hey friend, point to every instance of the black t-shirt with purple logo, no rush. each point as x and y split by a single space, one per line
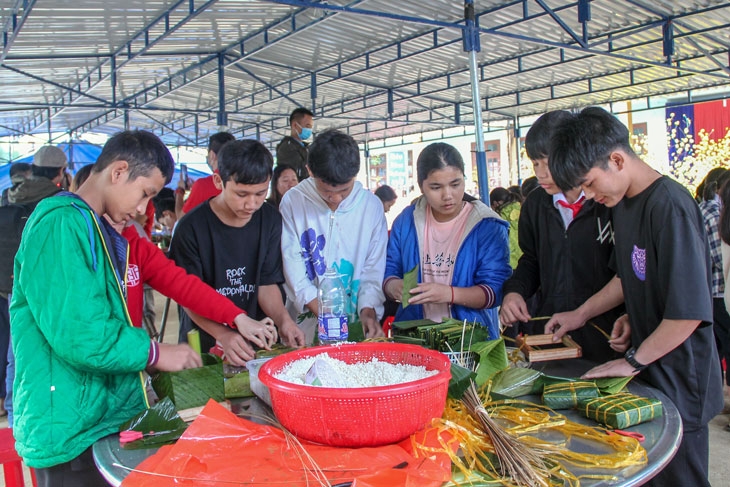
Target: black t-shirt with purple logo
663 260
234 261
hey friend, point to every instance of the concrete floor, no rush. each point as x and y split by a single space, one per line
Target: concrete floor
719 438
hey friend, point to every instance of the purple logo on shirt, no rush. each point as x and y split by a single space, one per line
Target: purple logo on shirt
638 262
312 247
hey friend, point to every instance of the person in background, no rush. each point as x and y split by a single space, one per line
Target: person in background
233 243
459 246
79 362
331 220
387 196
528 185
19 172
81 175
204 188
711 208
722 334
48 172
663 275
284 179
293 150
507 204
165 209
567 244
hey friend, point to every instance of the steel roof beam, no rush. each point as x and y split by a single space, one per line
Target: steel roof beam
52 83
131 100
558 20
365 69
240 44
141 36
17 25
168 127
494 30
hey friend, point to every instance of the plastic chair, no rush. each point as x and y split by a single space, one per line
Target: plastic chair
12 463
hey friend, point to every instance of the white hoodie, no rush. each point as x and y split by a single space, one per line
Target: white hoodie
356 244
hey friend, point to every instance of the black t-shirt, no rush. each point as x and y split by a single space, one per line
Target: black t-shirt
663 260
234 261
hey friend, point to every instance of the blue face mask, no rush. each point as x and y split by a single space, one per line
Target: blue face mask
305 133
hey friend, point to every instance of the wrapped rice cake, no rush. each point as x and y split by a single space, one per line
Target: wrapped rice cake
567 395
621 410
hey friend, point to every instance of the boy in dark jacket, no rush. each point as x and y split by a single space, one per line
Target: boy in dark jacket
567 242
78 358
663 276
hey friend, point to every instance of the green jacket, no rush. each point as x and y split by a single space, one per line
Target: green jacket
511 213
77 355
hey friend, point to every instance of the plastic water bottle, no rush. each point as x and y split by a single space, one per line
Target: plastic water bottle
331 297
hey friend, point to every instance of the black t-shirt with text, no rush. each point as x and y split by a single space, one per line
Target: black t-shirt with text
234 261
663 260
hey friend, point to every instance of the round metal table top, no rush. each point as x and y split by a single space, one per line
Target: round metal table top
662 435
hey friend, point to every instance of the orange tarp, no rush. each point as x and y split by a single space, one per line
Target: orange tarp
220 448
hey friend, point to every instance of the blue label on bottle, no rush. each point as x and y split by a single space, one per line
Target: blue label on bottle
332 328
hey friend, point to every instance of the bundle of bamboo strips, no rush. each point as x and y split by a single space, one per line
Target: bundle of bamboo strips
517 461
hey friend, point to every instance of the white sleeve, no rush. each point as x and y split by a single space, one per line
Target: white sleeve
299 287
370 294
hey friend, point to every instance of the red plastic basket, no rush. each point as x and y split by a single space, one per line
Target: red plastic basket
357 417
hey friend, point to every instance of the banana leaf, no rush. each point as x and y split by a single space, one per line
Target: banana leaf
611 385
410 280
547 380
621 410
192 387
606 385
567 395
461 377
162 420
474 478
515 381
492 358
276 350
404 327
238 385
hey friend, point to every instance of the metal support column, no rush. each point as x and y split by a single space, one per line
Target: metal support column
517 153
222 117
472 46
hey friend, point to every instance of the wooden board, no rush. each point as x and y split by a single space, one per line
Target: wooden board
530 346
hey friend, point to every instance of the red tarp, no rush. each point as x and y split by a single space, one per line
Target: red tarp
220 448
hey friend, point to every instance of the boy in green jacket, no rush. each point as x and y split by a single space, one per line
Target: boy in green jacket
78 357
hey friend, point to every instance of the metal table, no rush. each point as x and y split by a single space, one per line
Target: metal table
663 435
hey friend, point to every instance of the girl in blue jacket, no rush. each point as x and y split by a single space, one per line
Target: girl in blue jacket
459 245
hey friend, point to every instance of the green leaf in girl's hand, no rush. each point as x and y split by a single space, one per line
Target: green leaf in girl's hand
410 280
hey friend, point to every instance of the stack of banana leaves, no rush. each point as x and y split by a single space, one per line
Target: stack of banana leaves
448 336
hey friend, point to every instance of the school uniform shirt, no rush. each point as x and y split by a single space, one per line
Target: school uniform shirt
566 266
149 265
663 260
233 261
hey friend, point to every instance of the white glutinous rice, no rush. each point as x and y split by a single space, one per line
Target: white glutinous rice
373 373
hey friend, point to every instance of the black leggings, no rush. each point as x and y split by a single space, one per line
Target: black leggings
79 472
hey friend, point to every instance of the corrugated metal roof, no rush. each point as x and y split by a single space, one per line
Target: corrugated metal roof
376 68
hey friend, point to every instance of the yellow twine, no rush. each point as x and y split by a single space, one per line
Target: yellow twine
524 421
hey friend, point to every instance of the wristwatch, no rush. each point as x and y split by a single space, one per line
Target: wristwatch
629 357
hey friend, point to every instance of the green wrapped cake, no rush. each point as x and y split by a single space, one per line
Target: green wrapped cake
567 395
621 410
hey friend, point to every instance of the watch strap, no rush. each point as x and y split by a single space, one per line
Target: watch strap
629 357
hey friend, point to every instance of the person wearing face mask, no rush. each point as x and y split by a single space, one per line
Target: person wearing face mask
293 150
